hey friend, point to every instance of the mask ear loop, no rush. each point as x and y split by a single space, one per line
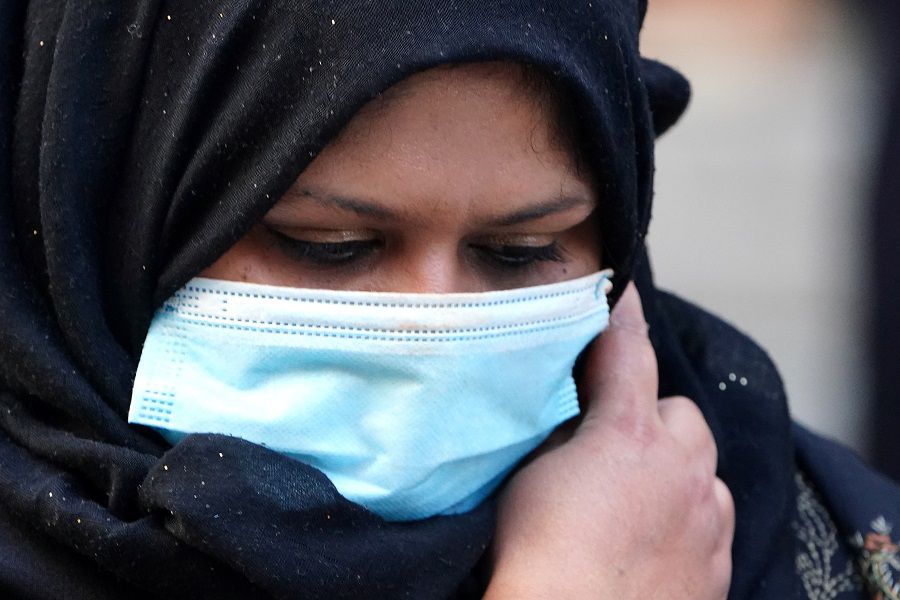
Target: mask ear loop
604 287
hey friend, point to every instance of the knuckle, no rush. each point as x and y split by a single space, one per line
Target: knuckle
686 406
726 502
644 357
685 421
700 489
693 414
721 569
637 427
701 485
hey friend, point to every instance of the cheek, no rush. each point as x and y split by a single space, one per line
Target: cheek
584 247
251 259
256 258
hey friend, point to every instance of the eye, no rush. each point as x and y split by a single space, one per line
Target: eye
518 256
341 249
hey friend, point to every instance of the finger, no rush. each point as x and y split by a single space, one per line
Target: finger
722 567
717 516
686 424
725 502
620 376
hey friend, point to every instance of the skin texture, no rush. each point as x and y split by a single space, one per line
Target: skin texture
450 183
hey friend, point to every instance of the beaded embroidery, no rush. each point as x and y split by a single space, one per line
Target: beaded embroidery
824 570
879 560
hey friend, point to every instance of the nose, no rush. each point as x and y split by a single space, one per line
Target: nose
431 278
433 271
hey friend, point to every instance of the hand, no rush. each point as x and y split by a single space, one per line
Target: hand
630 506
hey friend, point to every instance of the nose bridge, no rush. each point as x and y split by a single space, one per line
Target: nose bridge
435 274
435 268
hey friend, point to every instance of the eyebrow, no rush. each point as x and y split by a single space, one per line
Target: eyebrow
543 209
363 208
367 208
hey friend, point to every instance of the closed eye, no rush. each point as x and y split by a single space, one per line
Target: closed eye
339 248
325 253
514 257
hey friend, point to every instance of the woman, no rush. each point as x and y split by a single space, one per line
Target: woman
153 144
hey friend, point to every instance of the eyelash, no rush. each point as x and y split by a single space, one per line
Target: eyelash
518 257
327 254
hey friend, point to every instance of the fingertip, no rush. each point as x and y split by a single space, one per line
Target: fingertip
629 311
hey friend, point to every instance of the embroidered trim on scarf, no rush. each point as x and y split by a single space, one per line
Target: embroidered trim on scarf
826 572
879 560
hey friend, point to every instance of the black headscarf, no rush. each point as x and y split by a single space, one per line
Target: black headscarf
138 142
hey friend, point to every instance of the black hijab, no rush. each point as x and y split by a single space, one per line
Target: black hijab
140 141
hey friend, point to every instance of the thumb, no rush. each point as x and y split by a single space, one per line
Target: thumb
620 375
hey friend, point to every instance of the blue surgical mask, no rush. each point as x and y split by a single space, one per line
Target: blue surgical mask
412 404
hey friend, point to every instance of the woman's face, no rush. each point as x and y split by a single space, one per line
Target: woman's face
455 180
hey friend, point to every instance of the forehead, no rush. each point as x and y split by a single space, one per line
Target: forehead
481 130
494 97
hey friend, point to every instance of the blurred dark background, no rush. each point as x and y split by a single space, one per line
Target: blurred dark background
778 196
884 17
